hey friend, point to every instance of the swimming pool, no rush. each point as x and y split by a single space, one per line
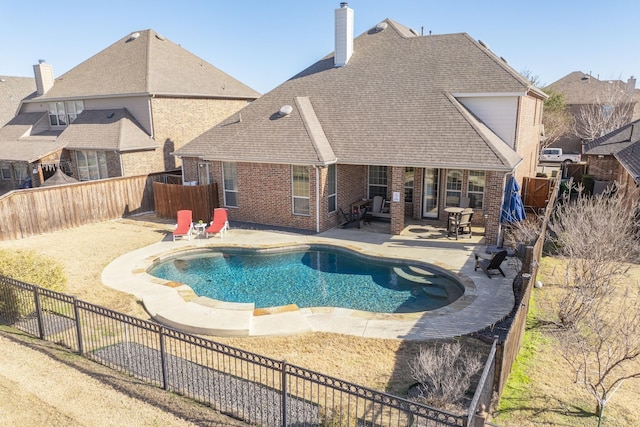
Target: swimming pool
315 276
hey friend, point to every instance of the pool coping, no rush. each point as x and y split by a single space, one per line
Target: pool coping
176 305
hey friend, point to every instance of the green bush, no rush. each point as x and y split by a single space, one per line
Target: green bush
30 267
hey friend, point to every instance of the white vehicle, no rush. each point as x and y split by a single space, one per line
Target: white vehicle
555 155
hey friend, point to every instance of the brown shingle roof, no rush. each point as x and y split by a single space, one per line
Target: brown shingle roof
114 129
390 105
579 88
17 143
147 64
12 91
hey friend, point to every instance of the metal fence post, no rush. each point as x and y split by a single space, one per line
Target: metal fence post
283 403
36 297
163 359
76 313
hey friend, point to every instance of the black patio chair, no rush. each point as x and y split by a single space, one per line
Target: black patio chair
492 264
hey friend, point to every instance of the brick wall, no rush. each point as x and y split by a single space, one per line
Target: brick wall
608 168
495 182
528 136
177 121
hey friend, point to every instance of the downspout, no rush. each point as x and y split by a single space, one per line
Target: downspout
317 199
151 115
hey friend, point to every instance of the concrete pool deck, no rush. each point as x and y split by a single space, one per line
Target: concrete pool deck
485 302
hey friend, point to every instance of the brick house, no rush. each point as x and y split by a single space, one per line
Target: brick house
423 121
581 90
121 112
615 157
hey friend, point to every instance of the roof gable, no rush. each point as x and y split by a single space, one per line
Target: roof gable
12 91
147 63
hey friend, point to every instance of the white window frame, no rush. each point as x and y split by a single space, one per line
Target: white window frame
61 113
476 196
409 180
230 184
203 172
377 180
300 190
94 165
332 188
453 188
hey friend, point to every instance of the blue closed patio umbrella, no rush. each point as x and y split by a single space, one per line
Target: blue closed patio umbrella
512 207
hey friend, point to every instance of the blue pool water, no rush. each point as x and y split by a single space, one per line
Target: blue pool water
310 278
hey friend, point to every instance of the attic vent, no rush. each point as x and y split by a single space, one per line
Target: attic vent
483 44
110 115
504 60
285 110
133 36
160 37
381 27
414 32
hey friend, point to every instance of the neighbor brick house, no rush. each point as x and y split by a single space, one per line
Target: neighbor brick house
423 121
615 157
121 112
581 90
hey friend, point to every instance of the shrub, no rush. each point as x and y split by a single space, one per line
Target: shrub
444 372
29 267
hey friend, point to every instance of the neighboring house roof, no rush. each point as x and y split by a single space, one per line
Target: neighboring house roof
623 144
113 129
12 91
579 88
392 104
17 143
146 64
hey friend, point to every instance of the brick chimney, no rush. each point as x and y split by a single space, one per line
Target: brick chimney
44 77
343 35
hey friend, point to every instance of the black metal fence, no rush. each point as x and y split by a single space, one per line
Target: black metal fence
247 386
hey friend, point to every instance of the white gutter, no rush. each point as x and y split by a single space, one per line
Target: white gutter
121 165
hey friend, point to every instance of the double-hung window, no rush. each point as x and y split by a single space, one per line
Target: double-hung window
230 184
300 189
332 188
475 189
91 165
454 187
377 181
408 184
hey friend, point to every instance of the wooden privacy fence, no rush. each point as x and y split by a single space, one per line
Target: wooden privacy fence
40 210
200 199
509 348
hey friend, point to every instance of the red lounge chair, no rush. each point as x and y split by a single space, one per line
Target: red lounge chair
220 223
185 225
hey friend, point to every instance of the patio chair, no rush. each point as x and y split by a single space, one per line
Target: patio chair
185 225
492 264
220 223
460 224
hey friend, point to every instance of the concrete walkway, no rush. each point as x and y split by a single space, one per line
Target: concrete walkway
485 301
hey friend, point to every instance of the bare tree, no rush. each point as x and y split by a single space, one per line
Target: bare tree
611 109
599 314
557 121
